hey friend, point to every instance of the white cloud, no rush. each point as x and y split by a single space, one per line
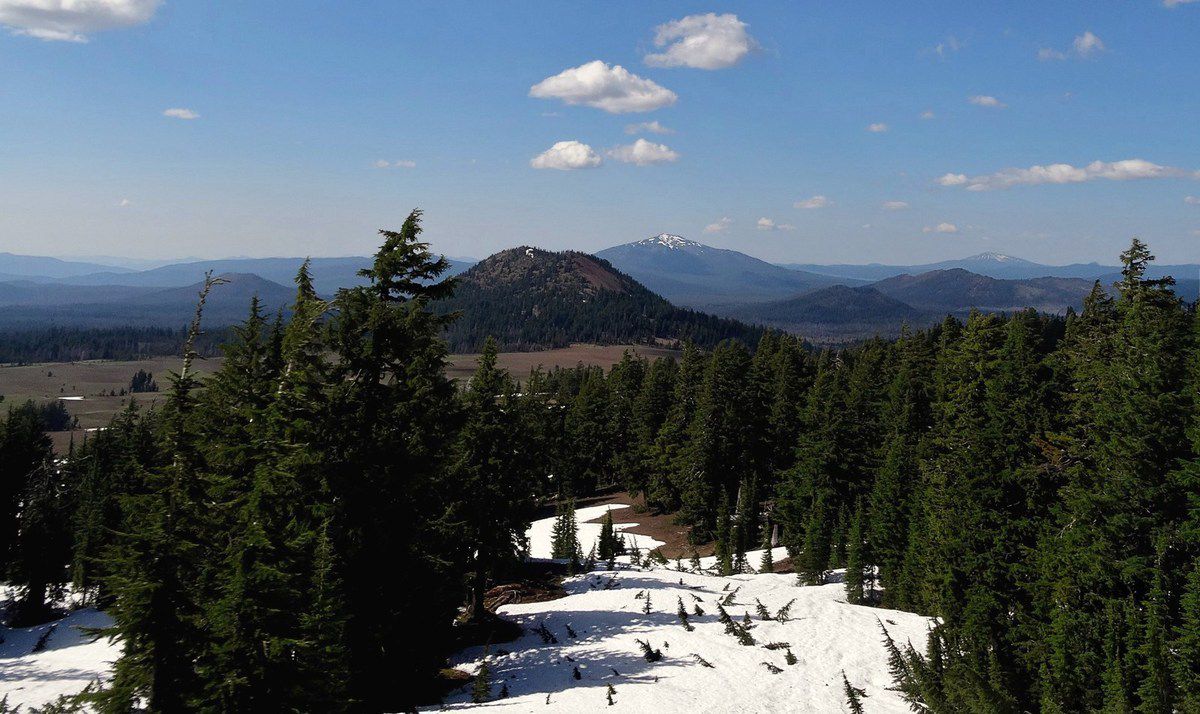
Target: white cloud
1087 44
72 20
814 202
1192 200
402 164
948 46
878 128
766 224
643 153
124 202
718 225
1176 3
567 155
1126 170
648 127
928 114
612 88
708 41
941 228
1084 46
895 205
180 113
984 100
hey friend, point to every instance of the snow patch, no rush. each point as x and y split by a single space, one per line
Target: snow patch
605 610
670 241
68 661
541 532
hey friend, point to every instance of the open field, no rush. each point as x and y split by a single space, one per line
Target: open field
92 383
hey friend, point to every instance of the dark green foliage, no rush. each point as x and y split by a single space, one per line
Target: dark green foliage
528 297
142 381
481 690
854 695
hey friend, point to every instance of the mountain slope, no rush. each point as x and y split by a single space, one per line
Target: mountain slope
535 299
227 304
690 273
328 274
835 313
31 266
958 290
994 265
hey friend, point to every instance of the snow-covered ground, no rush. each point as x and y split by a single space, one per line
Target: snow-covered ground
605 611
68 660
540 533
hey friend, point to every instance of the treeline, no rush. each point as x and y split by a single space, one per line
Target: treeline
73 344
1031 481
301 533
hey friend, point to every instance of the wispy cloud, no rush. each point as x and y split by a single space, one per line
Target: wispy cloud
1126 170
73 20
1192 200
813 202
986 100
767 224
941 228
718 225
895 205
1177 3
180 113
1084 46
567 156
709 41
402 164
648 127
946 47
877 128
928 114
612 88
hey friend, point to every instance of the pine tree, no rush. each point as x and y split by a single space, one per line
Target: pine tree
492 470
724 556
854 695
855 564
606 548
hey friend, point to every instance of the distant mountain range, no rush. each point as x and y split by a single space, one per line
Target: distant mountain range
700 276
531 298
39 305
996 265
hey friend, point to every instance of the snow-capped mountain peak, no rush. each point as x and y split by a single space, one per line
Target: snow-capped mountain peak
671 241
991 257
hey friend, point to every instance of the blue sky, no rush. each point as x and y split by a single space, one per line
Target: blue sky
298 105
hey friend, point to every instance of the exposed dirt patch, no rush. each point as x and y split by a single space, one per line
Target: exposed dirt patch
661 527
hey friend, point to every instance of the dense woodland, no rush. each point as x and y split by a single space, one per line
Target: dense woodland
301 531
74 344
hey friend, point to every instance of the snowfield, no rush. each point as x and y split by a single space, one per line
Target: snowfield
605 610
540 533
594 631
67 662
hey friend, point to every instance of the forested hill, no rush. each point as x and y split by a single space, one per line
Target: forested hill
529 299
